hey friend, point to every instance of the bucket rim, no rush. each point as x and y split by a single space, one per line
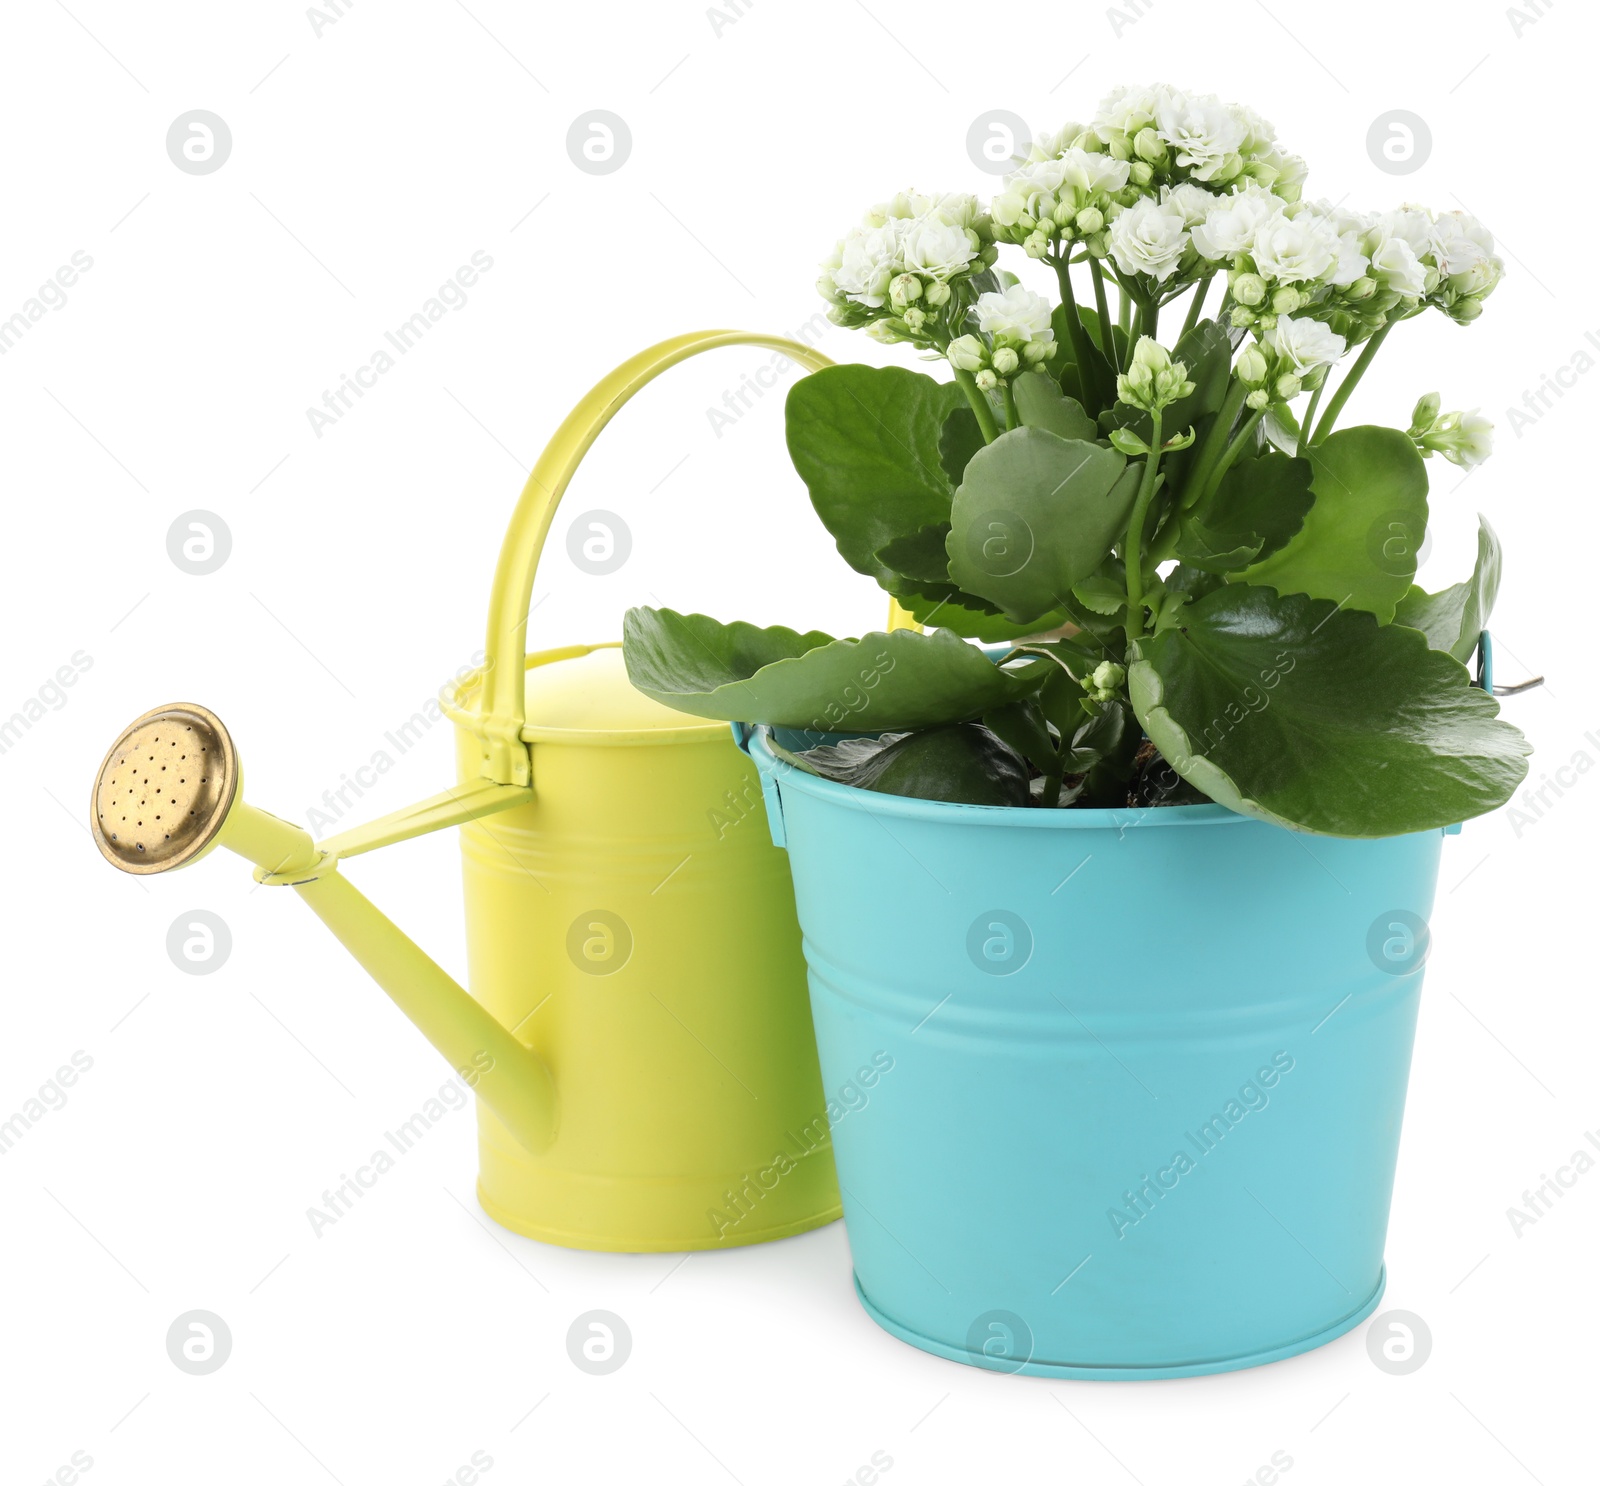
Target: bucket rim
753 739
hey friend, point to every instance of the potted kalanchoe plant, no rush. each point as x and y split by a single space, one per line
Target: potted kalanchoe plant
1194 592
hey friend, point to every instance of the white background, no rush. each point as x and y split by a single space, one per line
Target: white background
368 163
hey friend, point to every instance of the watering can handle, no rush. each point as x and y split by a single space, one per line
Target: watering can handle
501 699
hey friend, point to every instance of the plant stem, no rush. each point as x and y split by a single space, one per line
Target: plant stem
1008 398
1193 317
979 405
1133 547
1234 449
1149 313
1124 309
1106 333
1311 412
1346 387
1216 443
1088 381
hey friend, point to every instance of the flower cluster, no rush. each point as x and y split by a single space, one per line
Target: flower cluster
1354 272
1153 379
1465 439
1277 366
1062 199
907 272
1160 193
1013 331
1181 136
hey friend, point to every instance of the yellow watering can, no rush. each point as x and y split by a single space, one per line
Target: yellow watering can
639 1038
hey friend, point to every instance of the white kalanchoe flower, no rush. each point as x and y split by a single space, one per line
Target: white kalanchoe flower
1464 250
1295 250
1030 191
1149 237
937 248
1125 112
1094 171
1017 319
1394 263
1051 146
1204 135
1195 202
1232 222
863 265
1302 345
1350 262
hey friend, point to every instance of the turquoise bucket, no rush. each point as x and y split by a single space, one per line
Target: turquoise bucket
1079 1145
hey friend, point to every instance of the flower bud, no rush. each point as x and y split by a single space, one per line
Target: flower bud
1257 399
1037 245
1140 174
1108 675
1252 366
1249 288
987 381
1424 414
1153 378
1063 214
1285 301
914 318
903 288
937 293
1241 317
1363 288
1147 145
1004 361
1465 310
1089 220
1037 351
966 353
1287 387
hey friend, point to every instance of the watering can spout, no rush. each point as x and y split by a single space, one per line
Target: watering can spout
169 791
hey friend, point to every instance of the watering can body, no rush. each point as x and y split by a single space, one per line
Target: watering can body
637 1032
635 925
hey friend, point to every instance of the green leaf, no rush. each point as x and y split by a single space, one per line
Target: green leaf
1042 404
1021 726
1034 515
1102 595
1103 750
961 765
1281 428
740 672
976 619
1295 711
1119 336
1256 510
959 440
1360 539
866 441
1062 364
920 557
1453 619
1192 582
